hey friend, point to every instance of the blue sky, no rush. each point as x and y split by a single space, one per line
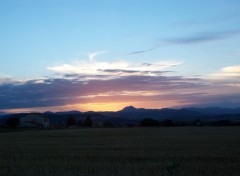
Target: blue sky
49 39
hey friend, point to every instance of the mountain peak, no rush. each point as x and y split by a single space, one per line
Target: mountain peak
129 109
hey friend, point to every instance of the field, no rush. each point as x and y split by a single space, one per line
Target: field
177 151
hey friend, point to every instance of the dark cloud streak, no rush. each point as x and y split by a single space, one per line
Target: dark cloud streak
143 51
204 37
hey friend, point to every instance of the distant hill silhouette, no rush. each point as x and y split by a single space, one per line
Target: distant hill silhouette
132 115
129 109
63 113
2 113
215 110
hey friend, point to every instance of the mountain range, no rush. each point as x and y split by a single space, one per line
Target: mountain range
131 115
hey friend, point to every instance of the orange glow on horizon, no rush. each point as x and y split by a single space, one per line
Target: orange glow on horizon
106 106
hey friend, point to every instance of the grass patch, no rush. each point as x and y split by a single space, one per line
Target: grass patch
180 151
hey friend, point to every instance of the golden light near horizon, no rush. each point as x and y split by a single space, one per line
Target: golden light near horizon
119 105
103 106
100 107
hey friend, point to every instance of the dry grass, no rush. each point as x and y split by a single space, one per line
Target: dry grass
180 151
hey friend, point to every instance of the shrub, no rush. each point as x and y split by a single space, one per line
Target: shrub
12 122
71 121
148 122
88 122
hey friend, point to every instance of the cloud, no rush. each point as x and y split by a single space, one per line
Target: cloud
10 80
204 37
84 83
226 19
92 55
143 51
232 69
113 69
60 92
198 38
149 90
229 72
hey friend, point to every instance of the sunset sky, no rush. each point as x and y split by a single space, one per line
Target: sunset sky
103 55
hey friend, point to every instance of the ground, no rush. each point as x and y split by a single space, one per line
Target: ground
173 151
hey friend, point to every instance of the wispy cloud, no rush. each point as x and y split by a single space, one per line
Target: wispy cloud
143 51
204 37
225 19
115 68
198 38
92 55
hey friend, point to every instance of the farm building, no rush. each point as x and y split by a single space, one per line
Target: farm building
34 120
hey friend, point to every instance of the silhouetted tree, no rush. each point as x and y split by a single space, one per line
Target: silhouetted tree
79 123
168 123
197 122
88 122
148 122
108 124
71 121
12 122
222 123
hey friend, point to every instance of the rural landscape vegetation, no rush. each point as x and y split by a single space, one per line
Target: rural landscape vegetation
93 144
163 151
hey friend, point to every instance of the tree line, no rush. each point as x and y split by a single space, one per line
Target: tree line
71 121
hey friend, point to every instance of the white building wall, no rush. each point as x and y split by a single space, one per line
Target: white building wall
34 120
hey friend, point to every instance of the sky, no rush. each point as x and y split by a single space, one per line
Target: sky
103 55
